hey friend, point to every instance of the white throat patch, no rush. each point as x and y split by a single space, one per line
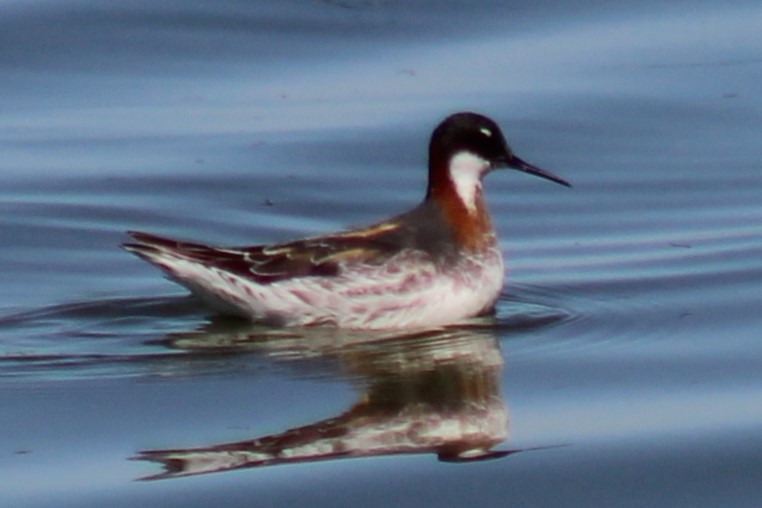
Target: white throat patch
466 171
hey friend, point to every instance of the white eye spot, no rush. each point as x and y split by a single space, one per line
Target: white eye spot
486 132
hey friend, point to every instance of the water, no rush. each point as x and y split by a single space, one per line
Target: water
623 367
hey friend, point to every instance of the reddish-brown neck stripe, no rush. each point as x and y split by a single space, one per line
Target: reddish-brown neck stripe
472 228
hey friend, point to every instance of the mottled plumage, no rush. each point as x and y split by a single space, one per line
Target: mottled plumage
434 265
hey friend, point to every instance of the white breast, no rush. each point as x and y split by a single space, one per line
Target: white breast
408 291
403 293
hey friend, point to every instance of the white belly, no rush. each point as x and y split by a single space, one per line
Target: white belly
402 293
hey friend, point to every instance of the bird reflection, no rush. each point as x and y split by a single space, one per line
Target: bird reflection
432 392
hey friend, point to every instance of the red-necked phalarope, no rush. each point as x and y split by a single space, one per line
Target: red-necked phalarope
434 265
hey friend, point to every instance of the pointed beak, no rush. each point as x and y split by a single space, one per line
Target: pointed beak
516 163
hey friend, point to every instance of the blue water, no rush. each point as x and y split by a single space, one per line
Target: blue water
623 366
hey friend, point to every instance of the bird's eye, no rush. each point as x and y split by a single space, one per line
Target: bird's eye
486 132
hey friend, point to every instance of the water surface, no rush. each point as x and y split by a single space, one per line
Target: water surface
623 364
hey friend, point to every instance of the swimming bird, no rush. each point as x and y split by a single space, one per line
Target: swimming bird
434 265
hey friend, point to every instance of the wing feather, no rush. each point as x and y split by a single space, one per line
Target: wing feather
318 256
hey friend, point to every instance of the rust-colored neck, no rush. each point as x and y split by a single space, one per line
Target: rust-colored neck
472 227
